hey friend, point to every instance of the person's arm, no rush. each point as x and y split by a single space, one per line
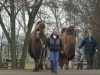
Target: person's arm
96 46
48 43
82 44
61 47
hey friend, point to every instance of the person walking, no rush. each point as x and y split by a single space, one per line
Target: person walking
54 44
79 60
91 46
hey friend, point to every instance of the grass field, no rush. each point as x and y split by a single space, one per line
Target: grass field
29 65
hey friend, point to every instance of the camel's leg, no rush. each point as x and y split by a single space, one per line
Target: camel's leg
61 64
36 65
40 66
66 63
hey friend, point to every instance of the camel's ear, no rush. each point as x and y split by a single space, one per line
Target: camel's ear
63 30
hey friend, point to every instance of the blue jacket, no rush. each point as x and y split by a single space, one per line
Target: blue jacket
89 46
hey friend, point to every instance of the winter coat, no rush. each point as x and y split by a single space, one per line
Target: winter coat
90 46
54 44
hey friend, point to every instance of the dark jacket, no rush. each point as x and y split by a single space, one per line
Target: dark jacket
54 44
89 46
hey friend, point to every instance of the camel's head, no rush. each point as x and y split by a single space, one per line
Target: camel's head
38 33
40 24
71 30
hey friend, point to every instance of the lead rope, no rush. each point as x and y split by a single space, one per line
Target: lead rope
42 58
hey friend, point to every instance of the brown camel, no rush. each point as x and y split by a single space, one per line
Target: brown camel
68 36
36 41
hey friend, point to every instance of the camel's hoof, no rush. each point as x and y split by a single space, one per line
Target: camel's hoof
41 69
35 70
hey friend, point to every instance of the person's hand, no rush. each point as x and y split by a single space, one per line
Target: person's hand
78 49
81 60
62 52
43 46
96 50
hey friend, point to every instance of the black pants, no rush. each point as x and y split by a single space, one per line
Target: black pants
80 66
89 58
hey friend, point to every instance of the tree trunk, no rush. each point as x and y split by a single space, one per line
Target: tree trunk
0 60
24 52
12 44
32 16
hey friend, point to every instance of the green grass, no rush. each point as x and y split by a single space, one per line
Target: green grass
29 65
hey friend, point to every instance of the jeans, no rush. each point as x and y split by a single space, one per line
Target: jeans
89 58
54 55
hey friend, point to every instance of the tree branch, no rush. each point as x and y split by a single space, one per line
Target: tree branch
17 12
60 13
20 23
35 10
4 29
27 6
5 9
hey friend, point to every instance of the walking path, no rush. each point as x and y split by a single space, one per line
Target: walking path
48 72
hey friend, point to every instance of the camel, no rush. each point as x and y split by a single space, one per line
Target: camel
68 36
36 41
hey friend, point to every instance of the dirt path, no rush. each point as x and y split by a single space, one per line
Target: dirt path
47 72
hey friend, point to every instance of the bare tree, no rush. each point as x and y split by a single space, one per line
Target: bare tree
12 7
